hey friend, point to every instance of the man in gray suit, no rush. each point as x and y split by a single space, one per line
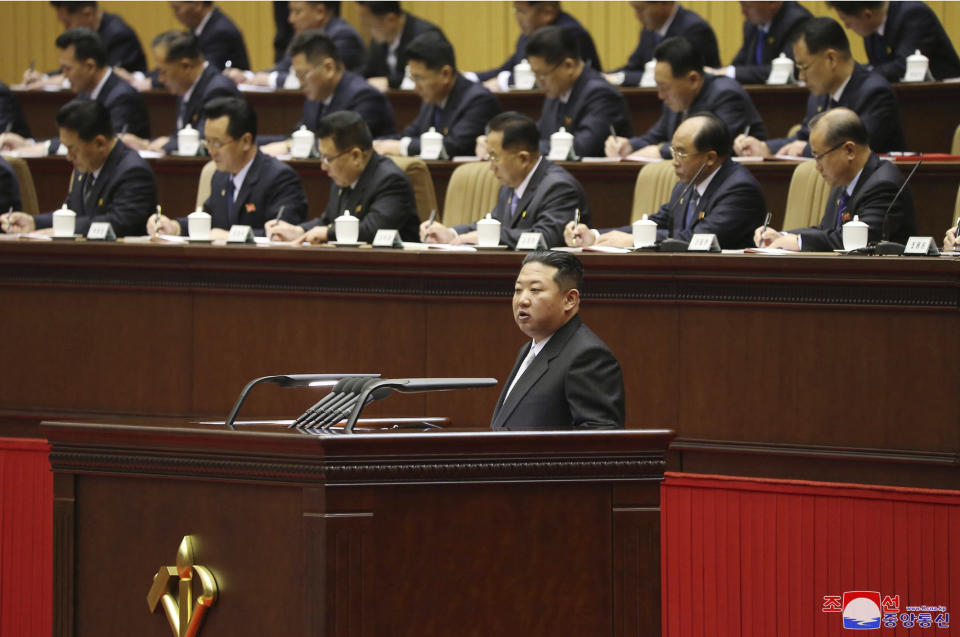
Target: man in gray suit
565 377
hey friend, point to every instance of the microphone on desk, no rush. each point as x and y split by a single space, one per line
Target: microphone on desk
670 244
892 247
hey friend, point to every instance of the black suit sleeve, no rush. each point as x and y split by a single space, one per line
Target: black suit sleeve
603 108
390 209
657 135
130 203
732 217
594 390
286 190
9 188
556 209
870 207
462 137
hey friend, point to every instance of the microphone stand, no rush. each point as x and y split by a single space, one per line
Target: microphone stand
670 244
886 247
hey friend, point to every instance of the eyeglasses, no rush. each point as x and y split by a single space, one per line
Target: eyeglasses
680 154
818 158
801 68
329 160
216 144
495 158
302 75
542 76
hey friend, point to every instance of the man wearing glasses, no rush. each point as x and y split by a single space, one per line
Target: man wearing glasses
863 185
824 62
249 187
329 88
726 199
366 183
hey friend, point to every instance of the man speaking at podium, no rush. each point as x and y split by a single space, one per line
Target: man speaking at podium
566 377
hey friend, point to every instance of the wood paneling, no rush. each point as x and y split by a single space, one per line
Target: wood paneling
484 33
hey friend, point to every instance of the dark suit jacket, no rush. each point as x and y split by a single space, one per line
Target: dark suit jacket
9 188
719 95
547 205
687 24
11 114
871 97
382 199
269 184
731 208
377 55
911 26
210 85
575 382
784 29
878 183
469 107
588 51
125 194
593 107
221 40
353 93
349 45
122 44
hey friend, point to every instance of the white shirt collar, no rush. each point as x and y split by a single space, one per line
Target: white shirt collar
240 176
186 96
836 95
96 91
526 180
883 25
396 42
536 347
566 96
853 183
203 23
666 25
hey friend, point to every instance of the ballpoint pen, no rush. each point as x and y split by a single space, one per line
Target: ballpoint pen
279 213
613 131
156 227
763 230
746 131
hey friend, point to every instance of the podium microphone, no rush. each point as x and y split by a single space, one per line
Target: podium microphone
671 244
892 247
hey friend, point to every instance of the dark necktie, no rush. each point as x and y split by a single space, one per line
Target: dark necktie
437 114
692 209
842 207
88 180
514 200
230 196
761 43
181 113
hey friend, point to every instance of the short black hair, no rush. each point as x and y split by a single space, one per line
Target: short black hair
825 33
243 119
381 9
86 44
680 54
554 44
569 273
179 45
433 50
73 7
855 8
347 129
88 118
713 135
519 131
333 6
315 45
843 125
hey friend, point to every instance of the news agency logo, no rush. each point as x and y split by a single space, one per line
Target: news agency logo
861 610
868 610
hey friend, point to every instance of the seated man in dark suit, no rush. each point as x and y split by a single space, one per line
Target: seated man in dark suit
726 200
11 116
372 187
532 16
892 31
770 29
330 88
9 187
121 42
826 65
566 377
181 68
391 31
454 106
110 182
217 36
536 195
305 16
684 88
249 188
662 20
863 185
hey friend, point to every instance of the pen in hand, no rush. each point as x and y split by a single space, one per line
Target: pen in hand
156 227
763 230
746 131
433 217
613 131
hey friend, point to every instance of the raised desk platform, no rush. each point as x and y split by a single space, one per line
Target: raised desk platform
820 367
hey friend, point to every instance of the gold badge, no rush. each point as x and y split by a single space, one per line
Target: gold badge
173 589
703 213
446 130
100 203
223 192
567 121
523 215
358 208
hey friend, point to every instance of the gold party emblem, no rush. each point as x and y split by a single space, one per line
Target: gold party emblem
173 589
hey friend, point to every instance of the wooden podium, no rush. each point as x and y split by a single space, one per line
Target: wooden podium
388 533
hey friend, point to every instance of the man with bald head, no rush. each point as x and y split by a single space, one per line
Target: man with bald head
863 185
726 200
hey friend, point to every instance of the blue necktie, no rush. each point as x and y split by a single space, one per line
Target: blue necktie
842 207
181 111
437 112
230 197
514 200
761 42
691 210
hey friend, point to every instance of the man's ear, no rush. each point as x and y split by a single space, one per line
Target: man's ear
571 299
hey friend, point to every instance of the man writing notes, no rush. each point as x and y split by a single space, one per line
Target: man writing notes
366 183
726 200
454 106
536 196
863 185
565 377
110 182
684 88
249 187
391 31
826 65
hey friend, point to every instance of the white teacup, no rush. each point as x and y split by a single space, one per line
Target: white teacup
64 222
198 225
523 77
855 234
347 228
431 144
488 232
301 143
188 141
644 232
561 143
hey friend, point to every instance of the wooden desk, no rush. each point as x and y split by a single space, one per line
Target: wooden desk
609 187
372 534
927 111
811 367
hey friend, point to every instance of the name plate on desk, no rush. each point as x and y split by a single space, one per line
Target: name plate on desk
101 231
531 241
240 234
921 246
704 243
387 239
